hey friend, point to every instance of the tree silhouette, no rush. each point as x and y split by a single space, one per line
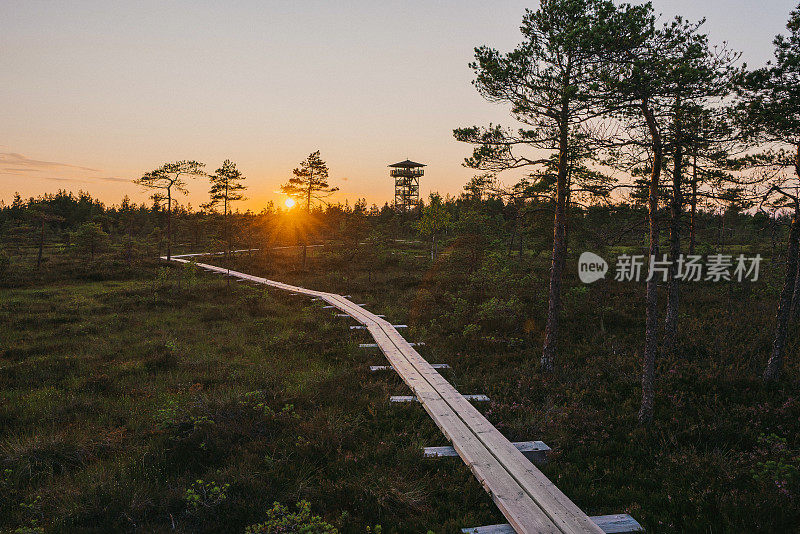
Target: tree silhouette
167 177
435 219
770 113
549 81
309 183
226 188
652 74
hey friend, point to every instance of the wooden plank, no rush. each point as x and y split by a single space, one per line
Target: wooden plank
414 398
610 524
617 523
375 345
375 368
535 451
362 327
490 529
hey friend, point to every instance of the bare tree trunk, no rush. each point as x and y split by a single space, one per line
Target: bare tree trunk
169 224
693 218
308 214
676 216
773 224
651 327
41 246
775 364
520 231
129 247
796 297
226 222
559 252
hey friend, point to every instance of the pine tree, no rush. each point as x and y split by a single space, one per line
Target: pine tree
166 178
549 82
226 188
309 184
769 110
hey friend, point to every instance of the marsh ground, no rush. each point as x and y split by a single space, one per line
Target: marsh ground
121 387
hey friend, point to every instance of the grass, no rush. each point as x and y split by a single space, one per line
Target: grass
120 390
118 396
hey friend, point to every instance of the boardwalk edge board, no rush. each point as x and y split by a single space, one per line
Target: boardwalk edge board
530 502
375 368
414 398
609 524
535 451
362 327
375 345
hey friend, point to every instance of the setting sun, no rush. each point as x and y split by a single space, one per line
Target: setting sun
289 202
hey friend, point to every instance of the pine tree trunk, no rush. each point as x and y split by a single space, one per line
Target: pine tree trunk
676 215
129 247
693 218
775 364
796 297
308 214
41 246
559 253
513 236
169 224
226 222
651 309
796 294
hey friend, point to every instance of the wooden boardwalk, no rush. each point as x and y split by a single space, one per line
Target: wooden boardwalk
527 498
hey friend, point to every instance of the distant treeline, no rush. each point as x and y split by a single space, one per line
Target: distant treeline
517 226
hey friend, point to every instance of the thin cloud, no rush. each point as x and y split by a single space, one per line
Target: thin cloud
20 161
16 171
115 179
58 179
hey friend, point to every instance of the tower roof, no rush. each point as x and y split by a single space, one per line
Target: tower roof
407 164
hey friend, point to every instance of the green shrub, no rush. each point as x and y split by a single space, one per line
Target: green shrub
780 465
202 495
281 521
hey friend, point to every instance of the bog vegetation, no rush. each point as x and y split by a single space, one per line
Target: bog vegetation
143 395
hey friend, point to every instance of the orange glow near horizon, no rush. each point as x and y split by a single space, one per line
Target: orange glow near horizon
90 109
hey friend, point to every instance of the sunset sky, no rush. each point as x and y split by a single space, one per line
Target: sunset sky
93 94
